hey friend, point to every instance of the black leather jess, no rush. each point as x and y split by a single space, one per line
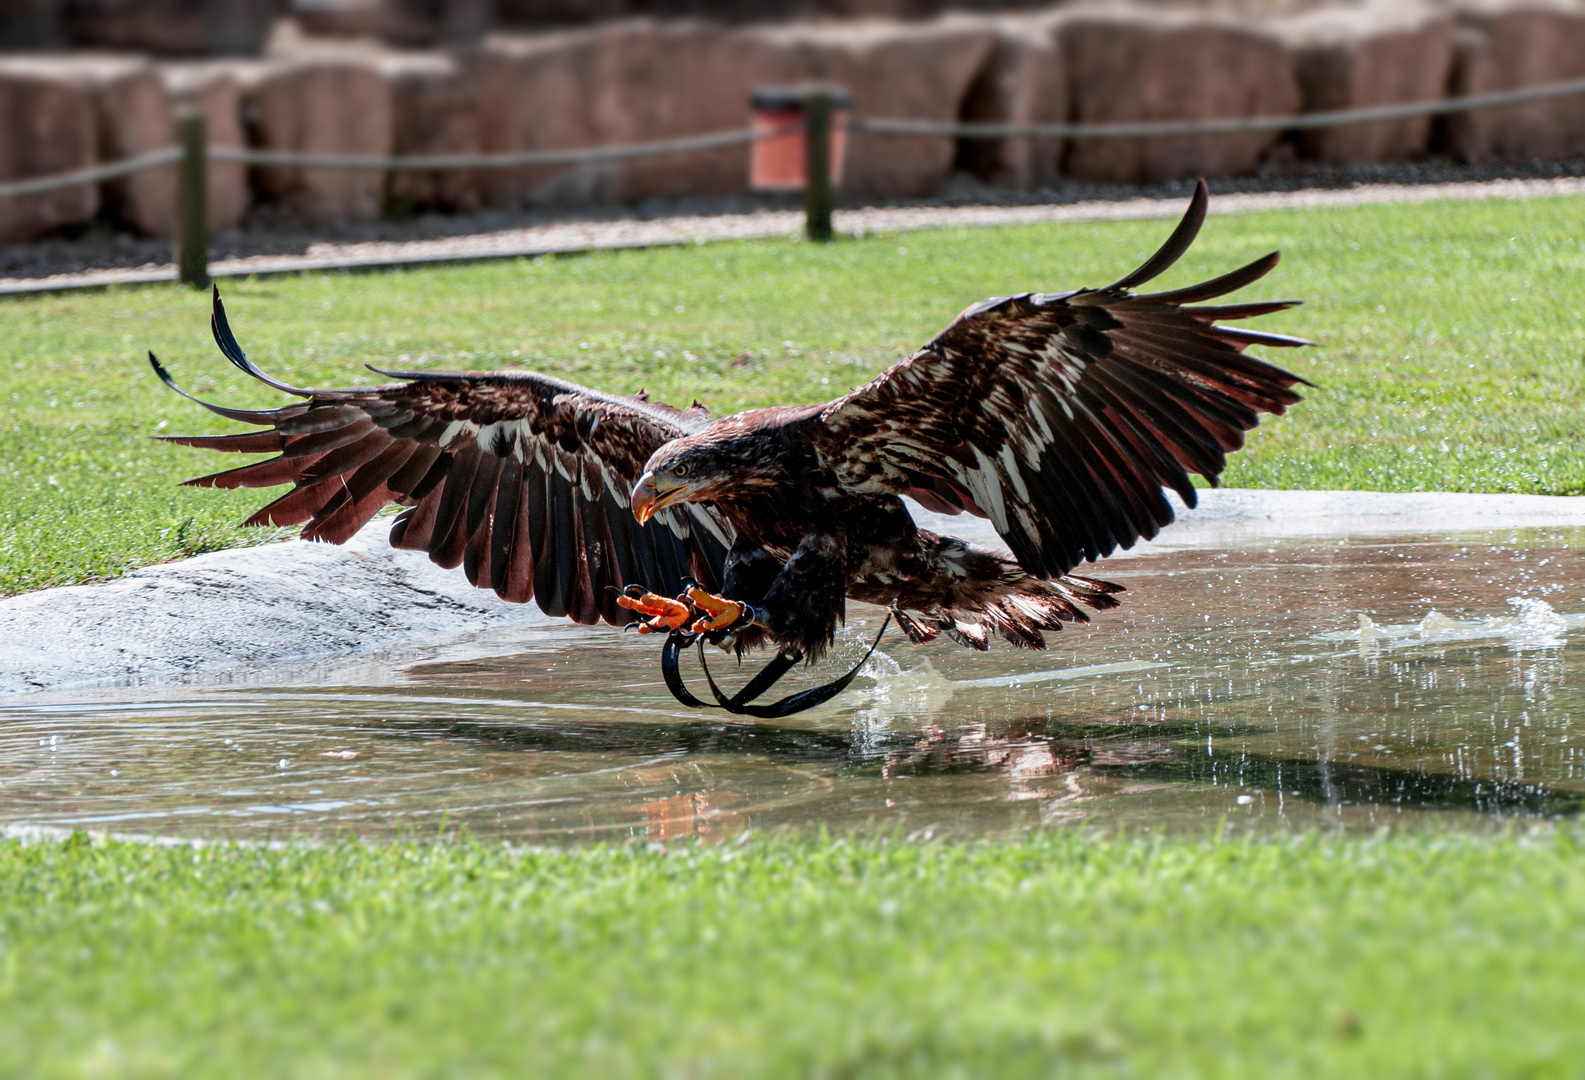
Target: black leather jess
739 704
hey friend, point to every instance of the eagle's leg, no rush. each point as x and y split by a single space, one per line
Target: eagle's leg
808 597
745 579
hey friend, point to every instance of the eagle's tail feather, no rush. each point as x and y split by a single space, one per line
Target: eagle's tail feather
1017 613
1031 605
972 595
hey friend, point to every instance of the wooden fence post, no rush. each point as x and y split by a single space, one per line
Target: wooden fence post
817 163
192 205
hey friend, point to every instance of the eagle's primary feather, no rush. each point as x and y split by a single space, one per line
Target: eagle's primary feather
523 479
1060 417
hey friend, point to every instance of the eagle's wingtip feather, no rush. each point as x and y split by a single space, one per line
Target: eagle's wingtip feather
1170 252
220 329
164 376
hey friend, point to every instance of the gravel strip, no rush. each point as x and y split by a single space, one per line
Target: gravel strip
589 235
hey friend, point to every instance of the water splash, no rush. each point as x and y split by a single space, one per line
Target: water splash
1541 626
920 690
1536 625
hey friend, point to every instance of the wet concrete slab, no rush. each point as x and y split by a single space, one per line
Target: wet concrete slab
280 603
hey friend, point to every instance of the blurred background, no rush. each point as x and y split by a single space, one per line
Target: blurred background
84 82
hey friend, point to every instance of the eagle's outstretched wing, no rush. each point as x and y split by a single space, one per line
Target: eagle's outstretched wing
521 478
1062 416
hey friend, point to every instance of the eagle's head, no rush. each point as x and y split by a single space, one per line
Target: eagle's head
732 455
684 470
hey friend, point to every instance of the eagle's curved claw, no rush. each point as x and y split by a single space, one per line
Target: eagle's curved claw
722 614
666 615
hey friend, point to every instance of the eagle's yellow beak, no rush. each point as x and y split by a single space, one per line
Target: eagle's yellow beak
651 493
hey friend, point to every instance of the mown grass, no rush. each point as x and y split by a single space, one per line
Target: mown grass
1452 337
1446 955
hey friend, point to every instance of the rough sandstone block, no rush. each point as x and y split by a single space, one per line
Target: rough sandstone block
1501 46
628 82
46 127
435 103
640 81
134 114
1023 81
914 71
434 108
327 107
1380 54
532 96
1134 65
670 80
163 26
212 88
171 27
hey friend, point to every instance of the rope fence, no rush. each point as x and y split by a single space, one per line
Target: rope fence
1238 126
820 120
590 156
42 185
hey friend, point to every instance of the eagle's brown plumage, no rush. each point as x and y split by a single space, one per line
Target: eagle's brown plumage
1060 417
522 479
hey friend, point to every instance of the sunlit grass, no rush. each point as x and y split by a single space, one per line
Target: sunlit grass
1452 358
1053 955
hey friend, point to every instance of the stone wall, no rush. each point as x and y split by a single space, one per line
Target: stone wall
638 80
167 27
1504 45
1147 66
1023 80
325 106
1353 58
47 126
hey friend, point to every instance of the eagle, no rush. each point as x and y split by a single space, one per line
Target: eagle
1060 417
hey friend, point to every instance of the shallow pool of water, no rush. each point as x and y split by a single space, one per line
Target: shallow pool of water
1289 685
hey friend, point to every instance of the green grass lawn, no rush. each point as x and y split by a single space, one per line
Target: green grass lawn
1452 337
1439 955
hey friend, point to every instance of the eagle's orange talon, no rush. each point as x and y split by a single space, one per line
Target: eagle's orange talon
666 614
723 612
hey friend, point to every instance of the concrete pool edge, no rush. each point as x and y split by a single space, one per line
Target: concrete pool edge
297 601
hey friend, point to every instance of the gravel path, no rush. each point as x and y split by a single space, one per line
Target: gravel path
587 235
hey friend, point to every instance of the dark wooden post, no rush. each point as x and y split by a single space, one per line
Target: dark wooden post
192 201
817 163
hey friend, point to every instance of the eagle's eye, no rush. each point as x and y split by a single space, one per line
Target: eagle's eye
681 469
